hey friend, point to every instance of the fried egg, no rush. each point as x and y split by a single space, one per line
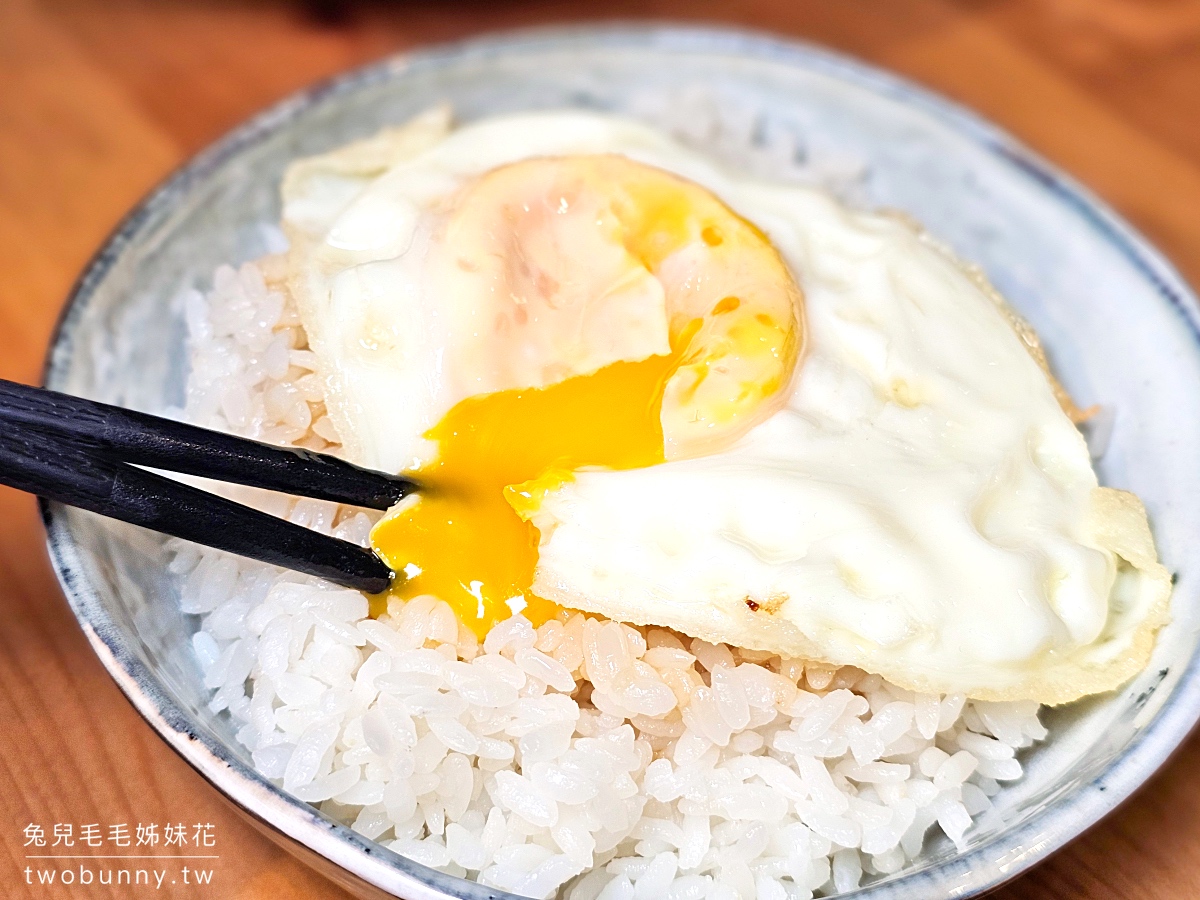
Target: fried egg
636 384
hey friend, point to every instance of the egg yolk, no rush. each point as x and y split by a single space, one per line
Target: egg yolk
734 338
464 533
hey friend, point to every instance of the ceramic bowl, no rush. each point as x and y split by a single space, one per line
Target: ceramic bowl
1121 327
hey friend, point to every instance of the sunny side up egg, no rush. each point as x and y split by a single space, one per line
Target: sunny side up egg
639 385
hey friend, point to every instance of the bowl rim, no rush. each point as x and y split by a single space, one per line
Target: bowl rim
999 858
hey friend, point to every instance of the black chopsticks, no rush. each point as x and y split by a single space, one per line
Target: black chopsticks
86 454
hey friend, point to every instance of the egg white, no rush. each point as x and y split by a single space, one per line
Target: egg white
922 507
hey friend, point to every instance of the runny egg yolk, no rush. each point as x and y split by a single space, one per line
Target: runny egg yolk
732 315
498 450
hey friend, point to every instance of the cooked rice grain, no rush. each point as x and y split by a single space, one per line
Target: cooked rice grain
584 759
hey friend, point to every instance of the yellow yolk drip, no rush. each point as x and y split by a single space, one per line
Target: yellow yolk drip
497 451
734 336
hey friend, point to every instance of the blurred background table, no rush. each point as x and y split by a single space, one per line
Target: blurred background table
99 99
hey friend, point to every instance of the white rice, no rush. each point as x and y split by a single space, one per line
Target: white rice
584 759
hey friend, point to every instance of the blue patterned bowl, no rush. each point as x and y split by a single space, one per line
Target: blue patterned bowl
1121 328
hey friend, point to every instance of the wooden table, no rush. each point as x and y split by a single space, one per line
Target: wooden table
101 98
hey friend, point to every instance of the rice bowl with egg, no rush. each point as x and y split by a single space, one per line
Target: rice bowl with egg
520 761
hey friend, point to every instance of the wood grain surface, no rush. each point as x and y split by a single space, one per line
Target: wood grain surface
99 99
